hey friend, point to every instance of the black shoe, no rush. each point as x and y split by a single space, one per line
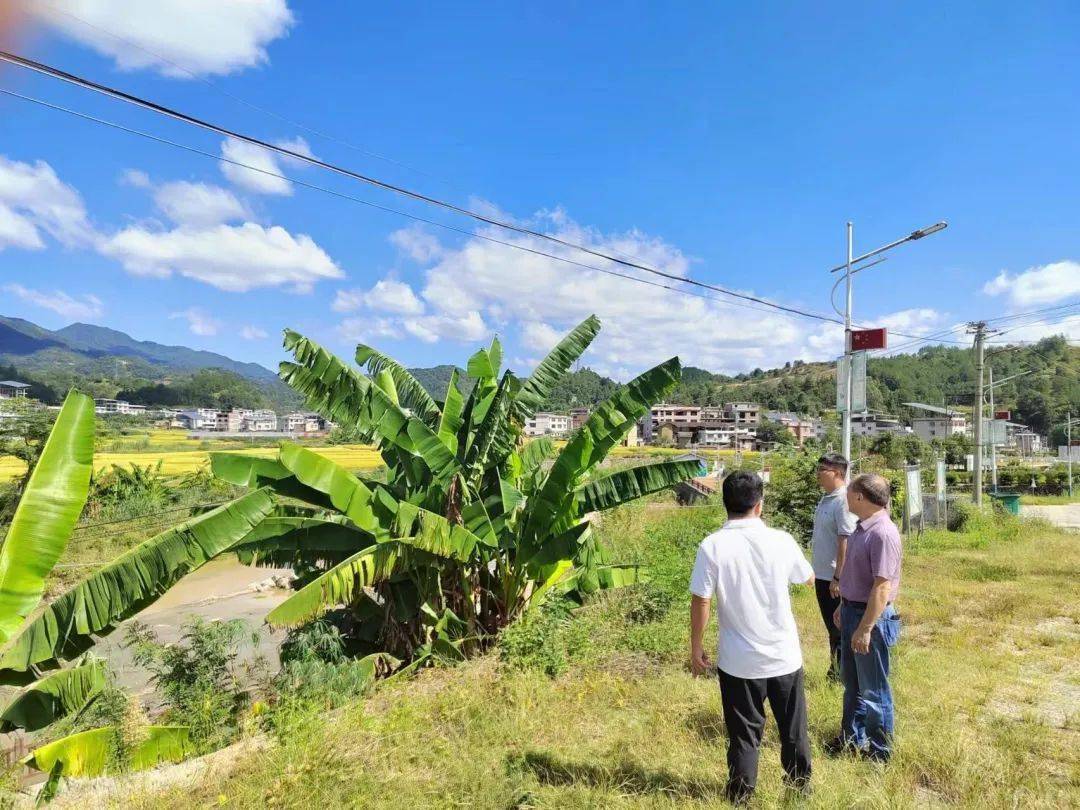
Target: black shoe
839 746
876 756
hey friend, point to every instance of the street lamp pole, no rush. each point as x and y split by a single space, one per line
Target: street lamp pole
848 272
847 353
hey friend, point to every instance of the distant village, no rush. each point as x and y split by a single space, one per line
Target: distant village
737 426
734 425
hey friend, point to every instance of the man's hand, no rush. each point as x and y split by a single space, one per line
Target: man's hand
836 617
860 641
700 663
834 589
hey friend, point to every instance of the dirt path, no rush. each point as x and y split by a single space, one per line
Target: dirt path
1066 515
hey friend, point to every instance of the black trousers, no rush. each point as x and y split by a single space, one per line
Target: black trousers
744 716
828 604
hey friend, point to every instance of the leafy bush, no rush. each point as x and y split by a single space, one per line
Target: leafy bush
960 515
533 641
197 676
646 603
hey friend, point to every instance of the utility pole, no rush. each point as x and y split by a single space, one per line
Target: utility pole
849 271
847 355
993 429
979 328
1068 447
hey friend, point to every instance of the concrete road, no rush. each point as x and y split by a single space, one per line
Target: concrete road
1065 515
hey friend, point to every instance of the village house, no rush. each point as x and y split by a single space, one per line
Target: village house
547 424
12 389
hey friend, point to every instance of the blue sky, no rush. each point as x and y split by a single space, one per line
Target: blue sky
726 144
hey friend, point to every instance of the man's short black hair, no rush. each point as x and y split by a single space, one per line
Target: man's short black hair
742 492
833 461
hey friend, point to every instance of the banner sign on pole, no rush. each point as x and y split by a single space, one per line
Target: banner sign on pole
858 383
864 339
913 501
994 432
939 480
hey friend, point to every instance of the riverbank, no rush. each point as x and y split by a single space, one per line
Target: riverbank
986 681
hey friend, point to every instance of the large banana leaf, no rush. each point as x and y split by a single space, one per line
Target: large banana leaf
283 541
374 564
46 515
494 437
551 369
450 420
131 582
610 490
57 694
411 394
88 752
549 509
350 398
375 511
254 472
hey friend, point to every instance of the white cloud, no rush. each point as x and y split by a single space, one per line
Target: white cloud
387 295
236 258
176 38
253 333
136 178
416 243
34 200
476 283
198 204
366 330
430 328
258 158
1045 284
199 322
82 308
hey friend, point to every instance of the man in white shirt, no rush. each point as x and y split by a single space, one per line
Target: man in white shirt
747 567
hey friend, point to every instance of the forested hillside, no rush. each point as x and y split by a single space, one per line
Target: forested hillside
935 375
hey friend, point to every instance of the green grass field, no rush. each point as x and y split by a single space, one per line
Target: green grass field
986 677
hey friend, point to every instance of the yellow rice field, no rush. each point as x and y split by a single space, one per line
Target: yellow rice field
178 462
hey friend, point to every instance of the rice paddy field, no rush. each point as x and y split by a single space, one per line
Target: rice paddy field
180 454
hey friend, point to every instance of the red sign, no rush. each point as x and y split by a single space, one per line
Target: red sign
1006 415
862 339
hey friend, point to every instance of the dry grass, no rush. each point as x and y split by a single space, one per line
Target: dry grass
986 679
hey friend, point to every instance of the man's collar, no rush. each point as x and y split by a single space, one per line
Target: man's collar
879 515
735 523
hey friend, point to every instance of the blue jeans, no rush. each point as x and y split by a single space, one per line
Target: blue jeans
868 702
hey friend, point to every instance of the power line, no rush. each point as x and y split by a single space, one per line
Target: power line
128 98
239 99
772 308
414 217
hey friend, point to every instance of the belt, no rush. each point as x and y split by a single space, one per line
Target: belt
861 605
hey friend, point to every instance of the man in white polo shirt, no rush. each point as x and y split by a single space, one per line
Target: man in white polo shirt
747 567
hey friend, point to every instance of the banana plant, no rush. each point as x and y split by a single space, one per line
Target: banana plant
468 526
471 523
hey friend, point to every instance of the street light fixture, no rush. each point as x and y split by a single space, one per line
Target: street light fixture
848 272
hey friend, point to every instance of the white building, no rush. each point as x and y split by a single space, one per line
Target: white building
261 421
681 416
1064 452
726 436
1028 443
547 424
105 406
196 419
303 423
12 389
875 424
939 426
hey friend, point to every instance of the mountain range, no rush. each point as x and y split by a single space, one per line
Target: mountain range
105 361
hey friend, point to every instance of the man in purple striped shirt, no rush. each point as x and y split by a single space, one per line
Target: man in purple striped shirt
869 624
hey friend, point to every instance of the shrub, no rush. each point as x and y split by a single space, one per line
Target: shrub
534 640
960 515
197 676
646 603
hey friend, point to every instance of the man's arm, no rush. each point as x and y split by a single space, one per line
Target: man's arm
879 598
700 607
841 555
